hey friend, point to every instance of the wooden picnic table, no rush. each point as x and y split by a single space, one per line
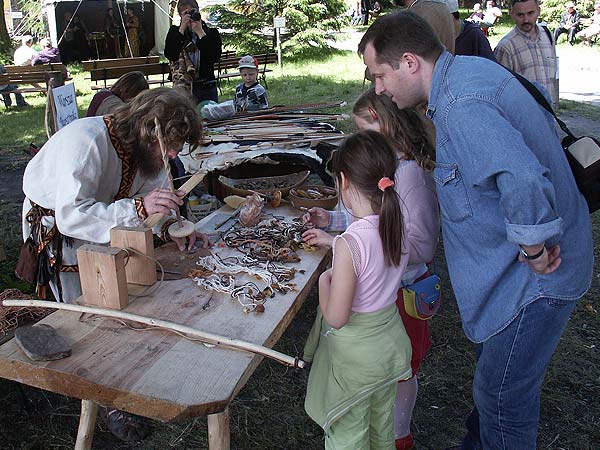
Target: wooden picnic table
158 374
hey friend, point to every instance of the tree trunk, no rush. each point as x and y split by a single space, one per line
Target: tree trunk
4 37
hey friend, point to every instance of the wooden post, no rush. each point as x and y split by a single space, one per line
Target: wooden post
87 423
102 274
53 79
139 269
218 431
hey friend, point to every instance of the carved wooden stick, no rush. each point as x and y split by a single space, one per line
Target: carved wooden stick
166 166
209 338
187 188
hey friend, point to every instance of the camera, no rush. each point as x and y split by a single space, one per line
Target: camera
195 15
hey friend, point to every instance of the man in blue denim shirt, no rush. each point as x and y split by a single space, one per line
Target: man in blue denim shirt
516 230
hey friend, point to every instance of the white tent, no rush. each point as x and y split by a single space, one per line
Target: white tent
160 17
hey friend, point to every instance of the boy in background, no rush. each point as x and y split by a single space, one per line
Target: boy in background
249 95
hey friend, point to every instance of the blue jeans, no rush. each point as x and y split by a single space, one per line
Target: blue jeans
508 378
6 97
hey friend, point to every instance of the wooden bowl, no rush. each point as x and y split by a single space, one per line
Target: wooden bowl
244 186
299 197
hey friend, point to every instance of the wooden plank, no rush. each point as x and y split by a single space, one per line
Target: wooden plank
102 274
237 74
87 423
139 269
218 431
156 374
119 62
116 72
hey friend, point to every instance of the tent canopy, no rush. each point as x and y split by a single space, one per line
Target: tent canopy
153 15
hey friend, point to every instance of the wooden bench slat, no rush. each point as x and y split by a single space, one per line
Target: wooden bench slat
116 72
119 62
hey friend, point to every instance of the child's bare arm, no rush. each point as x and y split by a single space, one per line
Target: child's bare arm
337 287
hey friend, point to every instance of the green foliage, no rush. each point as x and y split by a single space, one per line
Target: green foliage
33 18
7 51
309 24
553 9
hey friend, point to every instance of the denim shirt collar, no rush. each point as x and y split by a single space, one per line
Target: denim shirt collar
439 75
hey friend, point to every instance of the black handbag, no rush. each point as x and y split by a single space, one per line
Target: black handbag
583 153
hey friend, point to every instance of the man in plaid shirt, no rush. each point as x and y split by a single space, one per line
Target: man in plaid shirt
528 48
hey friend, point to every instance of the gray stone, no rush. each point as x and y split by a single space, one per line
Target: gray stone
42 343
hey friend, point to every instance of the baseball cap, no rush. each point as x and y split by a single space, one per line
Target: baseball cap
248 62
452 5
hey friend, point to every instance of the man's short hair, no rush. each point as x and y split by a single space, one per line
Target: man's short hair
27 39
514 2
399 32
192 3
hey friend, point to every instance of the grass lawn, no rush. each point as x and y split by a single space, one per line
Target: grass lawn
268 413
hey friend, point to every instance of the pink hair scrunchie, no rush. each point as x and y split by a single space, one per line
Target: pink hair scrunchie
385 183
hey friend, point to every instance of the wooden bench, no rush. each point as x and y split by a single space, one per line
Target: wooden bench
585 23
88 66
231 62
103 70
110 73
36 76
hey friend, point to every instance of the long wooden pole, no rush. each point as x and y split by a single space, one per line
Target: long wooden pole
206 337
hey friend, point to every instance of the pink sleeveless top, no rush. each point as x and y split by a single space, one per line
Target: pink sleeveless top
377 284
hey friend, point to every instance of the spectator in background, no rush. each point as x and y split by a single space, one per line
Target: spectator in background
9 87
250 95
437 14
357 18
528 48
477 14
66 43
25 53
491 14
193 49
470 40
124 90
569 23
111 34
594 29
132 47
376 10
47 54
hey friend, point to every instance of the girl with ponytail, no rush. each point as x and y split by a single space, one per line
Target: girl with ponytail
358 345
410 137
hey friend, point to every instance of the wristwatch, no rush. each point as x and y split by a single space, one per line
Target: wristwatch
529 257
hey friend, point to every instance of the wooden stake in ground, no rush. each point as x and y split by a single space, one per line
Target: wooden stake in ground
203 336
182 228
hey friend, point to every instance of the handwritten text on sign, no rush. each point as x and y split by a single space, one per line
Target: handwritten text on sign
66 105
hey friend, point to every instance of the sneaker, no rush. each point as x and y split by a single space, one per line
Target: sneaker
405 443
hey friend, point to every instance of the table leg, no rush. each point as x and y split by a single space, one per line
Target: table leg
218 431
87 423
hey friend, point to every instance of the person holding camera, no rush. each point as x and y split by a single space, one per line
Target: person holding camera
193 49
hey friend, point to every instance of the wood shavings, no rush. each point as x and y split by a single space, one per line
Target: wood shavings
270 240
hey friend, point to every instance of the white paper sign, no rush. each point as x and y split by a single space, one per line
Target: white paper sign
279 22
65 104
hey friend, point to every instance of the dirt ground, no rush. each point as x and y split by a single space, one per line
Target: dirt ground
268 414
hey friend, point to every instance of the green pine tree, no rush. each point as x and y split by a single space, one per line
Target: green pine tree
310 25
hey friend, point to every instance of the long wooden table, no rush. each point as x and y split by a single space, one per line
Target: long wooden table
157 374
